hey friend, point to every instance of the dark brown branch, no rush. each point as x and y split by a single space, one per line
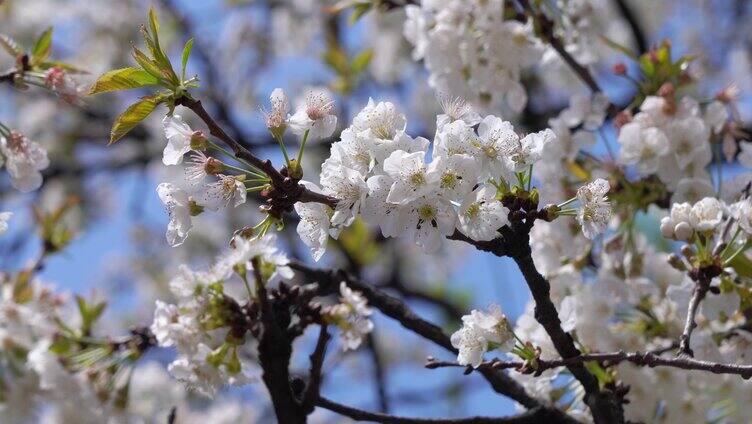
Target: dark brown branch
287 186
317 363
275 350
603 404
533 416
648 359
379 376
546 27
637 32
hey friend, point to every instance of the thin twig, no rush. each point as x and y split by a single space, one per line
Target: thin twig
698 294
648 359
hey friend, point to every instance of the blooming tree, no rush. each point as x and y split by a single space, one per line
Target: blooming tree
627 218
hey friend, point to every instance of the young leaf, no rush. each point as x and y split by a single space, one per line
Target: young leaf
10 45
147 64
154 24
337 60
123 79
132 116
42 48
359 9
361 61
186 54
618 47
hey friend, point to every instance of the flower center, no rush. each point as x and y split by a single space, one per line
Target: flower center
417 179
427 212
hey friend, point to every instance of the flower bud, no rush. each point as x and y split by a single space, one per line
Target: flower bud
667 90
683 231
667 227
676 262
687 251
622 118
620 68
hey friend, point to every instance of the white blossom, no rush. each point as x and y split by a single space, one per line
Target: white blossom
706 215
219 194
481 215
179 136
642 147
23 159
595 209
411 176
313 227
477 331
351 315
178 206
315 115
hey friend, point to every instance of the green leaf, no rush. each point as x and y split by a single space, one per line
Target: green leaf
742 265
186 54
361 61
359 9
123 79
619 47
154 24
42 48
337 60
132 116
148 64
10 45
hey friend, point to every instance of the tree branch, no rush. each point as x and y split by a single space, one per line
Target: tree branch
534 416
378 372
603 403
637 32
698 294
317 363
648 359
546 27
275 350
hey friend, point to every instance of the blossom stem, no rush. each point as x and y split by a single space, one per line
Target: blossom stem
241 170
529 177
735 254
573 199
731 242
219 148
302 145
283 148
251 296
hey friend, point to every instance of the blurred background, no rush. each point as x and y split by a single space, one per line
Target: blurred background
243 50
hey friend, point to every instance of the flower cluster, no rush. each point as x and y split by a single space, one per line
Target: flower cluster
380 172
207 183
472 50
480 332
670 137
208 324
